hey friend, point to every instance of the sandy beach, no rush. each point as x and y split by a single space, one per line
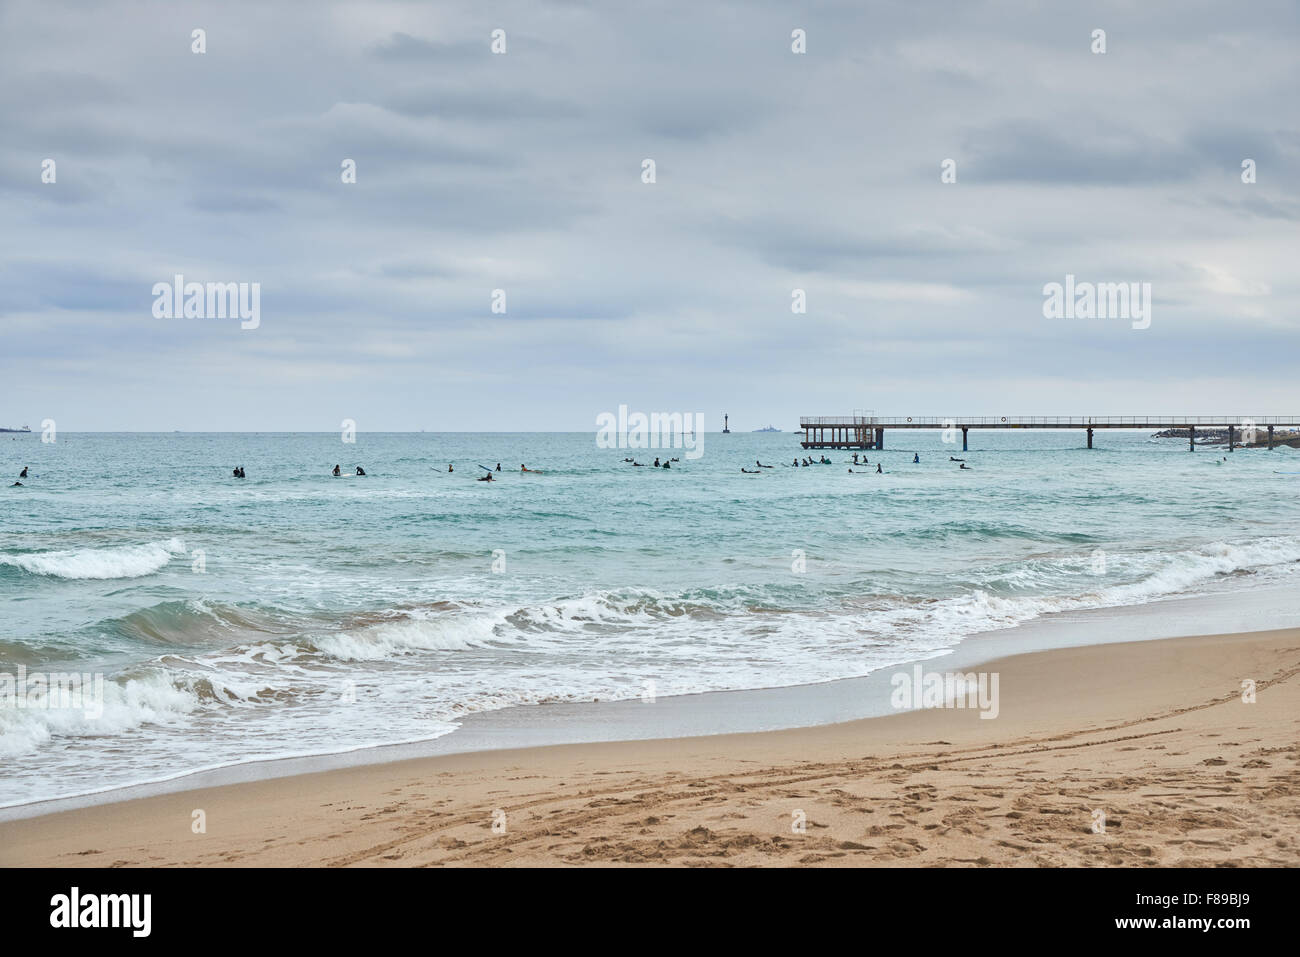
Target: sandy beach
1155 735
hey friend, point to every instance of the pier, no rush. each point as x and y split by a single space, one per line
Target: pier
868 431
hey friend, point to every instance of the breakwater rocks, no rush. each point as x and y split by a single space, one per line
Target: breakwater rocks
1220 437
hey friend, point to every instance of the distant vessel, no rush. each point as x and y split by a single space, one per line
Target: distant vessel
25 428
768 429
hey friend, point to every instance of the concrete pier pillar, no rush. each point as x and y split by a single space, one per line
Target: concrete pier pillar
880 438
1231 430
964 430
1270 436
1090 438
1191 438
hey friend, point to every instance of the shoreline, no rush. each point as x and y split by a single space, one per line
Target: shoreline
1189 774
713 713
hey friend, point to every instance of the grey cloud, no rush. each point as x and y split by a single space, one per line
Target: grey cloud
1081 151
522 172
403 47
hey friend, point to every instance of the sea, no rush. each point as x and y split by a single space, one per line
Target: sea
219 621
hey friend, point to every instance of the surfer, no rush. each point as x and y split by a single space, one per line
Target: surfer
916 458
485 478
879 470
18 485
966 467
449 468
360 470
498 466
23 473
749 471
657 465
951 459
337 470
669 465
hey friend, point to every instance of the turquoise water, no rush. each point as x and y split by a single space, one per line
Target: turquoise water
295 613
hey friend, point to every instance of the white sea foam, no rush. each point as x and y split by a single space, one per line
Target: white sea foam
604 644
420 633
120 561
128 704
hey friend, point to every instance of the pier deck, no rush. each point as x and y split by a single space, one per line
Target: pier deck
868 432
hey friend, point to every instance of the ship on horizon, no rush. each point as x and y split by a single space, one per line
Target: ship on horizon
770 428
25 428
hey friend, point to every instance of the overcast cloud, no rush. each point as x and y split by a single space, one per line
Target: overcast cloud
522 172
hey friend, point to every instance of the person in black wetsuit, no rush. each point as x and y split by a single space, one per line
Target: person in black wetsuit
360 470
879 470
337 470
23 473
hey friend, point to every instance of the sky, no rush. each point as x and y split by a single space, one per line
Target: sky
522 171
